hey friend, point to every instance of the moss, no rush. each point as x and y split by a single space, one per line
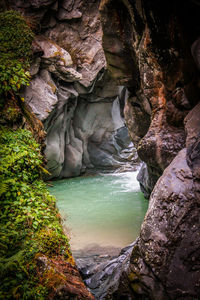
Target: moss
132 277
10 112
53 87
135 281
15 49
135 287
15 36
30 224
57 53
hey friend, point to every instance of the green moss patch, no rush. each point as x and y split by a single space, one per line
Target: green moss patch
15 52
29 221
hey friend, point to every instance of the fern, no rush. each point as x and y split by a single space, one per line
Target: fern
3 187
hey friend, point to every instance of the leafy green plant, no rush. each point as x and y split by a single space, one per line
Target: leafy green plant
15 49
12 76
29 221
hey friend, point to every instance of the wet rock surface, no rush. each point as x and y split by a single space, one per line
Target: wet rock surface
72 92
152 50
160 74
164 263
169 236
100 272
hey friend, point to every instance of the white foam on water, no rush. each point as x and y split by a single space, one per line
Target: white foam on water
125 182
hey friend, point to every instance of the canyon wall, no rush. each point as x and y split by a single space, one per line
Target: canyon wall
71 90
154 52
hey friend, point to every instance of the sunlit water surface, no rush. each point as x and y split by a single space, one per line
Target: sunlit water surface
106 210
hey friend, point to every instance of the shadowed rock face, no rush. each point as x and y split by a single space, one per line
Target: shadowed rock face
162 114
150 46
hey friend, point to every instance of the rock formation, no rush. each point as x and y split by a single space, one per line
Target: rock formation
152 49
162 114
71 91
153 60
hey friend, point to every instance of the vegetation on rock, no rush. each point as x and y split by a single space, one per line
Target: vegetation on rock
30 225
15 49
29 221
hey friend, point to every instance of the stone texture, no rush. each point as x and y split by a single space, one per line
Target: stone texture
151 59
66 282
164 263
169 240
196 52
103 279
73 94
38 90
65 15
83 135
82 39
69 10
152 51
192 125
147 179
52 52
57 60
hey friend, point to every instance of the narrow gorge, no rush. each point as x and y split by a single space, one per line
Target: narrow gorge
94 93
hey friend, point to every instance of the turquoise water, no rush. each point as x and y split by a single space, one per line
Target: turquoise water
106 210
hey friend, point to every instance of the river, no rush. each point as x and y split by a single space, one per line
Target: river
100 211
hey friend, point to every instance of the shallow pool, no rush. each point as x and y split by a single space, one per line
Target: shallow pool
106 210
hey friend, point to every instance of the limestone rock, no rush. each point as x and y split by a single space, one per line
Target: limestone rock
57 60
74 95
41 3
52 52
82 39
192 125
63 14
38 90
34 3
35 66
83 135
58 126
69 10
147 179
